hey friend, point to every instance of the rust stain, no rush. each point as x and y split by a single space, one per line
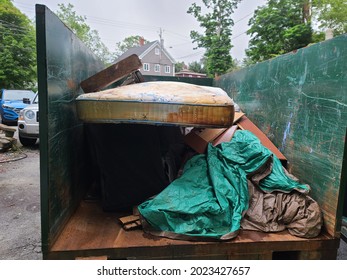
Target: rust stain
172 117
305 149
268 129
71 84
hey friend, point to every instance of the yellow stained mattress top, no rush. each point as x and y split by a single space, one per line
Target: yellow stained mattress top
175 103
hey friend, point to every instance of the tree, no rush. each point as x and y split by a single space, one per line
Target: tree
83 31
17 48
179 66
279 27
128 43
197 67
216 39
331 14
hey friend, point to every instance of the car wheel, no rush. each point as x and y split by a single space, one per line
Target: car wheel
27 141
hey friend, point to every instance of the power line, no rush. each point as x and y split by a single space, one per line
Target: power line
241 19
177 34
191 55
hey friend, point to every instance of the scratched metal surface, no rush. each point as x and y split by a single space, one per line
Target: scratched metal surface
63 62
300 101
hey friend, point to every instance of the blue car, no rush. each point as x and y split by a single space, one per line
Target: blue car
11 102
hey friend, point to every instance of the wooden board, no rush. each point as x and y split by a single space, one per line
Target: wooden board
92 232
226 136
111 74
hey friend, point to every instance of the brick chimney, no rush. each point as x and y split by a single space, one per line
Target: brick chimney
141 41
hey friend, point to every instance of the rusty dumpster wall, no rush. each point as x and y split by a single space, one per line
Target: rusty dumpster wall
300 101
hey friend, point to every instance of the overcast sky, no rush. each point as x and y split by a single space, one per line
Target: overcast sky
116 20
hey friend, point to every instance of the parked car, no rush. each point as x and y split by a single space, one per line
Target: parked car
28 123
11 102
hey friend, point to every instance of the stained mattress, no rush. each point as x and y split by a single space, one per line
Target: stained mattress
174 103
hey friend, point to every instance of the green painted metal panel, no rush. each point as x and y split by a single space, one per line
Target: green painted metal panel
63 62
300 101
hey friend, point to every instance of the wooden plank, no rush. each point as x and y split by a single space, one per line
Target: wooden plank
246 124
199 138
132 225
9 131
111 74
92 231
128 219
237 116
7 128
226 136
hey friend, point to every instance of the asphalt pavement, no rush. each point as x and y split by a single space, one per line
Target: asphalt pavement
20 224
20 220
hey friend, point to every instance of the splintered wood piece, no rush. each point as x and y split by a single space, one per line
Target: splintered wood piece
134 225
134 78
111 74
128 219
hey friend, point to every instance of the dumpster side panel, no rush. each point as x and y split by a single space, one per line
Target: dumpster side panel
300 101
63 62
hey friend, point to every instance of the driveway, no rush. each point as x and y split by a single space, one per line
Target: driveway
20 225
20 228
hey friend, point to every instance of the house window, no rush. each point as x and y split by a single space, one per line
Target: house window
157 68
157 51
167 69
146 67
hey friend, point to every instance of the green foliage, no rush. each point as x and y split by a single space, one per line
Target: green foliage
128 43
297 37
318 36
331 14
83 31
279 27
179 66
217 23
197 67
17 48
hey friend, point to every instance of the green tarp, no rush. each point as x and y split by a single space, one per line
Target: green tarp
211 196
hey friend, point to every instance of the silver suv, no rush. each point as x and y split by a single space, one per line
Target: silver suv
28 123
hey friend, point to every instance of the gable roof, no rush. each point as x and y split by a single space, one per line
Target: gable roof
141 51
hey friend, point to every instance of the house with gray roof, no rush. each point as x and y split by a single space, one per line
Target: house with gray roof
154 57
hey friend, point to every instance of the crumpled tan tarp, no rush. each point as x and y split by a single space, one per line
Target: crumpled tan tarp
273 212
